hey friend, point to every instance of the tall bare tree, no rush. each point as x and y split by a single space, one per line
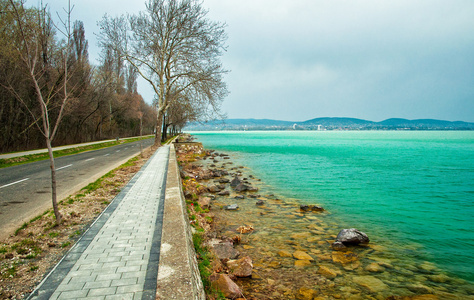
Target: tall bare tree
175 48
33 28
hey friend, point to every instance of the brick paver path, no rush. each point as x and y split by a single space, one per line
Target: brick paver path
118 257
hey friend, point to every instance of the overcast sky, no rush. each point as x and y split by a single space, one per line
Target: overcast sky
301 59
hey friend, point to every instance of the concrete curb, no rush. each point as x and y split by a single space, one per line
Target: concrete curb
178 272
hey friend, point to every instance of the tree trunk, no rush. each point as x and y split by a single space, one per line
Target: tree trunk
159 122
53 182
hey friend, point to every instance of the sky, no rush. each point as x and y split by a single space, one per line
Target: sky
300 59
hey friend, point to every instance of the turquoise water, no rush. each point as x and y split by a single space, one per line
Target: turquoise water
414 189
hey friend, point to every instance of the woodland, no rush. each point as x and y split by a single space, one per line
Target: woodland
50 91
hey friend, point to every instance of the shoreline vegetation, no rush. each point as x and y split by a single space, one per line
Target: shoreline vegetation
252 243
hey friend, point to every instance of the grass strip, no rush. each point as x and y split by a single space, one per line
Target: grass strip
20 160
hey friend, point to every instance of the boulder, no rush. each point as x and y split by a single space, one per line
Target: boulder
225 250
352 237
223 283
241 187
214 189
260 202
241 267
316 208
304 207
231 207
224 180
204 202
338 246
235 182
224 193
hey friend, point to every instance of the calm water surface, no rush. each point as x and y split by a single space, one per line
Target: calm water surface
411 190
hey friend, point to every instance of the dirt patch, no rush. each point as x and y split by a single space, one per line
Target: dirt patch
36 247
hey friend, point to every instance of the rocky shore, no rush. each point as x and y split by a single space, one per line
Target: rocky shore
267 247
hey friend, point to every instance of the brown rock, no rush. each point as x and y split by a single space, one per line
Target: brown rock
327 272
375 268
204 202
441 278
214 189
241 267
302 235
302 255
284 253
373 284
420 289
424 297
344 257
301 263
224 284
306 294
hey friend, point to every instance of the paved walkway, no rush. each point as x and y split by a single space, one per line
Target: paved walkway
118 257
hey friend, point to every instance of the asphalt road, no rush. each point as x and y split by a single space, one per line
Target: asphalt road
25 190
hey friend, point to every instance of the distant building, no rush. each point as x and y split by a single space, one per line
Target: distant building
320 127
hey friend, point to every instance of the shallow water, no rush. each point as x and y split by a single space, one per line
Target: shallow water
411 192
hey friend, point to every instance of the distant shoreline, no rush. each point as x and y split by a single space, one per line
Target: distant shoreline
328 124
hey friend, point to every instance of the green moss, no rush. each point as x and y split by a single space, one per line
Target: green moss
65 244
53 234
21 228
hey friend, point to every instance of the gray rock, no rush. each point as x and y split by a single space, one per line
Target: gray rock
235 182
260 202
224 193
231 207
352 237
225 250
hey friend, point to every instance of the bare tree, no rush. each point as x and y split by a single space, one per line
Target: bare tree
175 48
51 95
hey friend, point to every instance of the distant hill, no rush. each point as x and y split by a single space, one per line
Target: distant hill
331 124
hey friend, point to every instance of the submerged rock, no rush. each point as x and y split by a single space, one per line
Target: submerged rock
327 272
260 203
231 207
373 284
352 237
241 267
301 255
306 208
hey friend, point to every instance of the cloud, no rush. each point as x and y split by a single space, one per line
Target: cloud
301 59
